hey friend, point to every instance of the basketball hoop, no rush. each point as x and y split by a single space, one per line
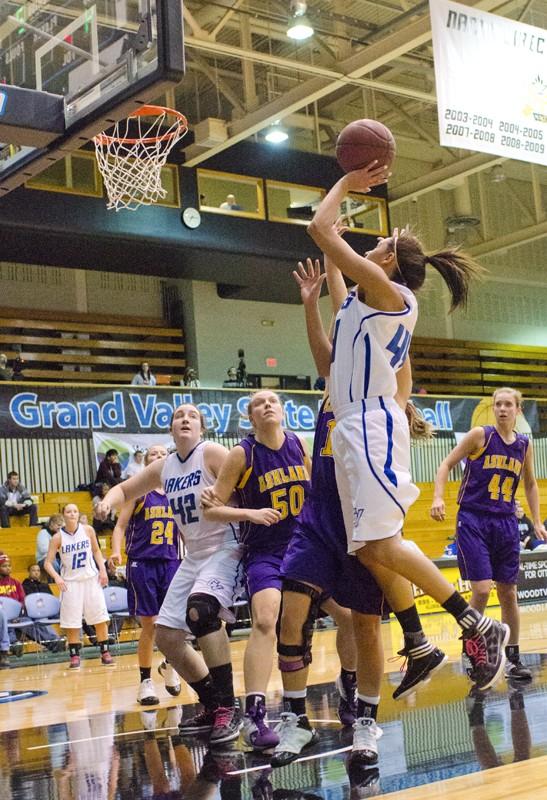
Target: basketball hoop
131 158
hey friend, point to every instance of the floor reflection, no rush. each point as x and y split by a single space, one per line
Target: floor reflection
139 754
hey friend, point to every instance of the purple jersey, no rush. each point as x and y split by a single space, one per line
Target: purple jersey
275 479
152 531
492 475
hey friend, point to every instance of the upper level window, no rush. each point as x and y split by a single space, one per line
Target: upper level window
291 202
365 214
227 193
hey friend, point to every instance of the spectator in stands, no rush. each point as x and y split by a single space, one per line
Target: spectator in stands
54 524
191 378
528 538
136 463
110 470
5 371
232 382
110 522
33 584
18 367
43 634
144 377
231 204
15 500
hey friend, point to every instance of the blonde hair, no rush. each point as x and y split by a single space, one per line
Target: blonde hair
56 519
418 426
507 389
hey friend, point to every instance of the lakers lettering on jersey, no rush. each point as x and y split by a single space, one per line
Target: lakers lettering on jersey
77 562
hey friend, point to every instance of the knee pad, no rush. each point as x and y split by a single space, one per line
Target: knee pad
202 614
304 649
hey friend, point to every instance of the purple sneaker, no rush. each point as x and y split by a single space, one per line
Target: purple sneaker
347 705
256 734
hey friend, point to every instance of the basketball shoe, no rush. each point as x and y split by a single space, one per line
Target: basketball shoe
106 659
256 733
295 733
171 678
484 645
74 662
202 722
419 667
347 705
226 725
146 695
365 736
364 781
516 671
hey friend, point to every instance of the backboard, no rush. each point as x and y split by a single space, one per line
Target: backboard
70 68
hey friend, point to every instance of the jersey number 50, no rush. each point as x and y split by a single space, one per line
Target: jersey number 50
291 504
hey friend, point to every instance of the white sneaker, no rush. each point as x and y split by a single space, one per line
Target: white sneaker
173 717
365 735
146 695
294 734
171 678
149 720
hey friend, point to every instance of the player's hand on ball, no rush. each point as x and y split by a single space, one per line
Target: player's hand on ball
310 280
362 180
438 510
264 516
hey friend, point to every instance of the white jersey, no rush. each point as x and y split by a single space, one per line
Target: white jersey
369 347
77 562
183 480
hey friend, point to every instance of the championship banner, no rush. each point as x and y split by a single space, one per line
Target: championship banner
491 77
70 411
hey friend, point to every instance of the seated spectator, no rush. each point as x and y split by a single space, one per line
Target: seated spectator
144 377
232 382
110 522
43 634
15 500
136 463
5 371
18 367
33 584
191 378
54 524
110 470
528 538
231 204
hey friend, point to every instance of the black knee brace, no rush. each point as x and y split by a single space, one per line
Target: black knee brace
303 649
202 614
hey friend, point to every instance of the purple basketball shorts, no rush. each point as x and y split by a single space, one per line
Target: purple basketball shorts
488 546
147 584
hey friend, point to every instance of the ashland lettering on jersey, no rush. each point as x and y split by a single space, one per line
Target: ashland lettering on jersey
73 548
157 512
183 482
281 475
507 463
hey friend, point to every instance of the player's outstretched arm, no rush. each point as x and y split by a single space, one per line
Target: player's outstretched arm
310 280
470 444
137 486
532 492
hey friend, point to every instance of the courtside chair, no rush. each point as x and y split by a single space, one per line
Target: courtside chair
13 609
116 605
45 608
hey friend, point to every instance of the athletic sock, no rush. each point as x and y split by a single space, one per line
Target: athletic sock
466 616
367 706
348 675
206 692
414 636
74 649
295 701
145 673
253 699
224 684
103 646
512 651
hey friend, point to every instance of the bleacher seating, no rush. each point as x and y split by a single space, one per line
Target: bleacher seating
94 348
451 366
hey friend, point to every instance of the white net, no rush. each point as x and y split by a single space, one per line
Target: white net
131 158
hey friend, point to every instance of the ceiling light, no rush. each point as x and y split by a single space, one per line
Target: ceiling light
299 27
276 135
497 174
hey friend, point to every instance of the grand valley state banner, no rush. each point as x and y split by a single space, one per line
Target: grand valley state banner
66 411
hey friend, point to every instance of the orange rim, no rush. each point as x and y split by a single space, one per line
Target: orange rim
147 111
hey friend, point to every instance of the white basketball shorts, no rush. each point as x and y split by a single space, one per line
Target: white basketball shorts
371 448
219 574
83 599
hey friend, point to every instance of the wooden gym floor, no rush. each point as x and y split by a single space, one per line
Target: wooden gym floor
86 738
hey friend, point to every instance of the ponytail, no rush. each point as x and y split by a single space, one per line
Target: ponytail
457 269
419 428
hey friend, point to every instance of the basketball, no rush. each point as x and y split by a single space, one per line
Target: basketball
362 142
